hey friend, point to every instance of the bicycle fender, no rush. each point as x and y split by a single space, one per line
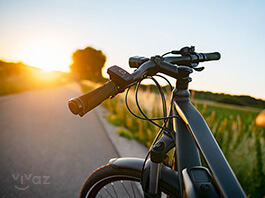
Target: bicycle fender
167 175
128 162
137 164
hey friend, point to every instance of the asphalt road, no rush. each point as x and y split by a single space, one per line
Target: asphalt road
45 151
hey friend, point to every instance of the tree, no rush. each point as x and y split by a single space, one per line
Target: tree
88 63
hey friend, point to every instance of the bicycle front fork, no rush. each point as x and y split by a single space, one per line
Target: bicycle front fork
154 178
150 183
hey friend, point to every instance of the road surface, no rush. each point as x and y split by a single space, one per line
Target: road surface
45 151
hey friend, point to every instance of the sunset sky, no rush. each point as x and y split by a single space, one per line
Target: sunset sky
45 33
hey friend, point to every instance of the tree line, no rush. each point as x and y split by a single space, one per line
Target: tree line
241 100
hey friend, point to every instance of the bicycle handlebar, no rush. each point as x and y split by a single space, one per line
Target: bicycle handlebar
187 60
196 58
120 79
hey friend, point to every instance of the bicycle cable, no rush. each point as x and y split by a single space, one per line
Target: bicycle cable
137 103
165 118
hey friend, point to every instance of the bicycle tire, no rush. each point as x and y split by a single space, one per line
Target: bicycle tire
101 183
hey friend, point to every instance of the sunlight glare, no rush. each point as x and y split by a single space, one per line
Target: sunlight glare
47 56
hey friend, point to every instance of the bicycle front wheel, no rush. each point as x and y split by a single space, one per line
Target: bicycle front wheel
111 181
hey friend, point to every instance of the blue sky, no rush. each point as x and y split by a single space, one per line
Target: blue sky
45 33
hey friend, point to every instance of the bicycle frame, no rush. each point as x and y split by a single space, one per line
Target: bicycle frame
193 135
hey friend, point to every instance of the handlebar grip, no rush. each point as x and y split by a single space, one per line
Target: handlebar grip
83 104
212 56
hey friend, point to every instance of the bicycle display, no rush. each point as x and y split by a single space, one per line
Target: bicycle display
183 129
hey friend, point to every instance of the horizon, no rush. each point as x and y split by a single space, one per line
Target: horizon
45 34
212 92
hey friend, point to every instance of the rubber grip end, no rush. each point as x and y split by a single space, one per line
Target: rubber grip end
76 106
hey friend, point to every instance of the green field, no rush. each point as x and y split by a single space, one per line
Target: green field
233 127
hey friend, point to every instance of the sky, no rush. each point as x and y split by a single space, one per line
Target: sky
45 33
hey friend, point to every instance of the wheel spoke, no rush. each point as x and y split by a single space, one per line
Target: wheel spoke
125 188
114 189
105 188
99 194
133 190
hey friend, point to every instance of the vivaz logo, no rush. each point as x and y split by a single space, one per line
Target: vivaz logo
26 179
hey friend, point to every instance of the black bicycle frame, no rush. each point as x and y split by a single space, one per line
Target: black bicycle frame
193 136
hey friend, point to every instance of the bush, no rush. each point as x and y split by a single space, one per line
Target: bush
230 100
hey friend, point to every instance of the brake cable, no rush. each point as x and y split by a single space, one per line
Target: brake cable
165 118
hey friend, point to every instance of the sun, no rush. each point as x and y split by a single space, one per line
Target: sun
49 56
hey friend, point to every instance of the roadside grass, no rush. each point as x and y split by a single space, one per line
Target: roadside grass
241 141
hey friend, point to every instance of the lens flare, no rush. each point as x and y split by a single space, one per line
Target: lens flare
48 56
